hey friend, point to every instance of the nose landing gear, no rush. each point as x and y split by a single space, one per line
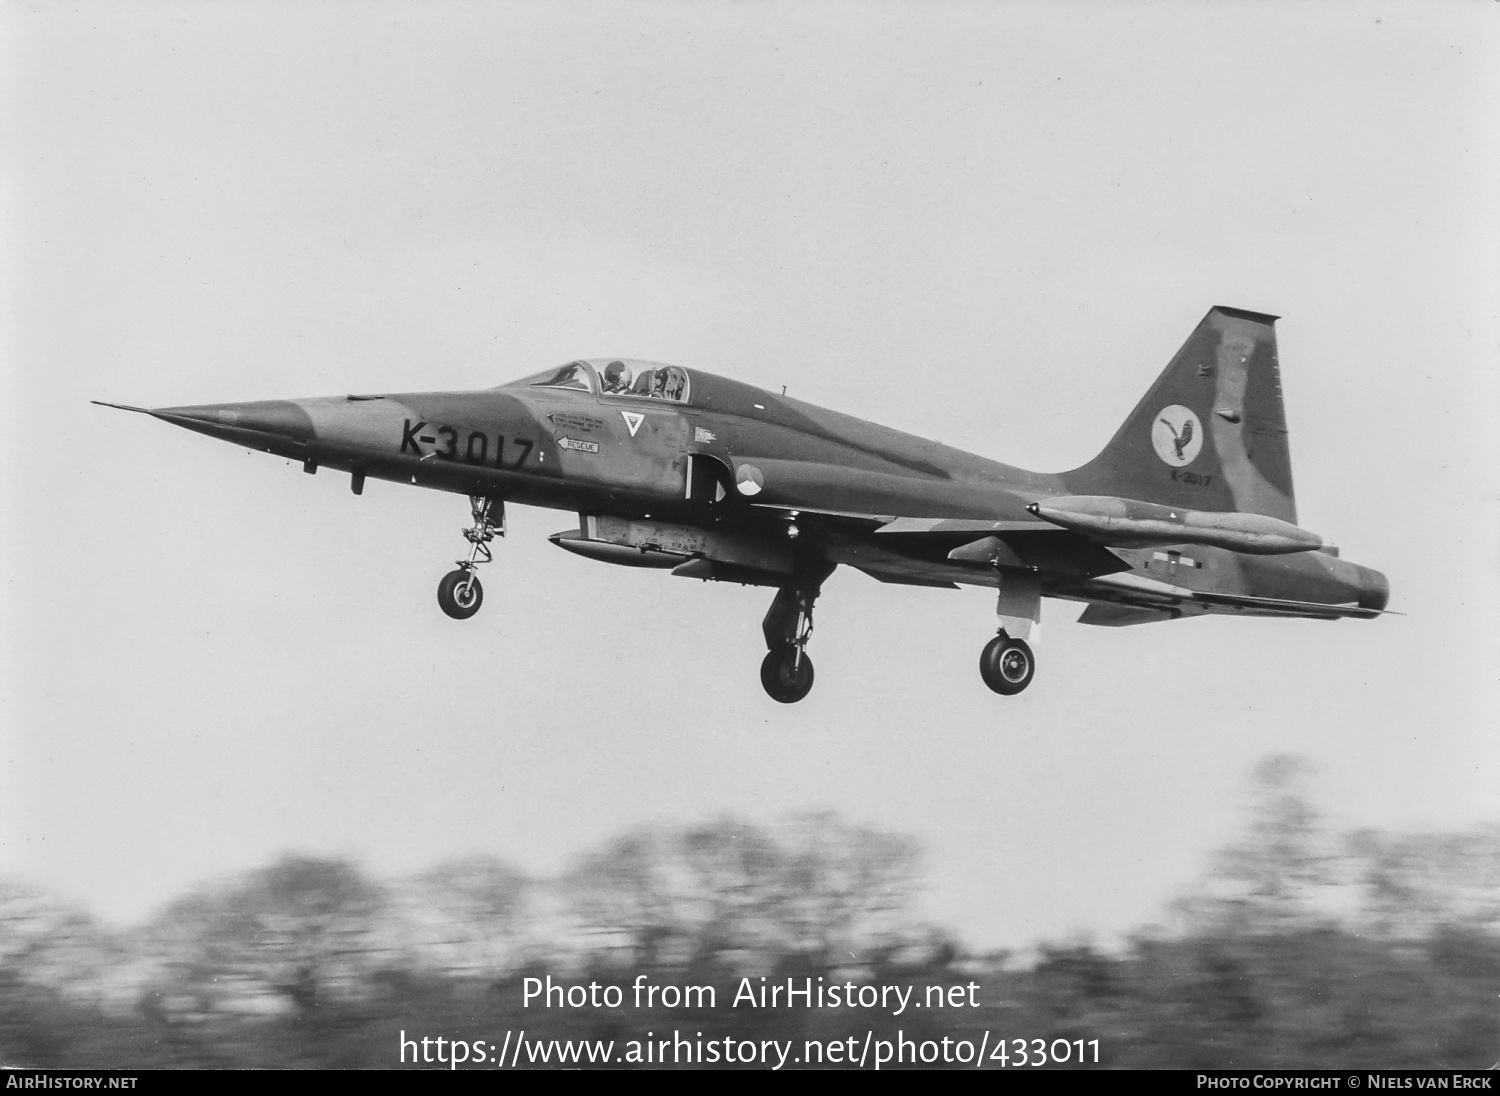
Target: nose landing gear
459 593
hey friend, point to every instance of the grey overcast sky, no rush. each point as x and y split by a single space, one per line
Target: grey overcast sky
991 224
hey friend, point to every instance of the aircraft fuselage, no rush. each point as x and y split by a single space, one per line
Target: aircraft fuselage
1189 510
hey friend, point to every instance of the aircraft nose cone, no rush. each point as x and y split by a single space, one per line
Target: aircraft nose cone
282 418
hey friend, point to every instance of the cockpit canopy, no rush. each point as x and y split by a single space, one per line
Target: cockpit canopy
625 377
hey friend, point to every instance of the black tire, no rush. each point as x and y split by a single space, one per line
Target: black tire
460 594
1007 665
786 680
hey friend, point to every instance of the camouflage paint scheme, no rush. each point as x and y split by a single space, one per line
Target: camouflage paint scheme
735 483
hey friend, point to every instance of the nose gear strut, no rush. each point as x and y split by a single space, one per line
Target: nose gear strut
459 594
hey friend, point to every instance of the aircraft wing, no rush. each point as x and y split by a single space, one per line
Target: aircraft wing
945 551
893 523
849 515
1105 614
1123 599
1270 606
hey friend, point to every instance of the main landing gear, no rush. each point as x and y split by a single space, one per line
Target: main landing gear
459 594
786 673
1006 663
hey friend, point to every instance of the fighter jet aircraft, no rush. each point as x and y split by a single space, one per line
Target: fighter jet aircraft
1188 510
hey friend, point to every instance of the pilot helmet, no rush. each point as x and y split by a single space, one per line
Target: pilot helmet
616 376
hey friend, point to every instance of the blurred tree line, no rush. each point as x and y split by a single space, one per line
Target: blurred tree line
1300 947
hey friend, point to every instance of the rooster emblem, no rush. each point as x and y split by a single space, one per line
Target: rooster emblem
1180 441
1177 435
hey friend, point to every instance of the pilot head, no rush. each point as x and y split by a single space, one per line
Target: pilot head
616 377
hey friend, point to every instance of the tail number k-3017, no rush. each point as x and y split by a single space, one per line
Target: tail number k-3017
475 449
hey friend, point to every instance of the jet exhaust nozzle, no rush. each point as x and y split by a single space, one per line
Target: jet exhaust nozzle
1374 588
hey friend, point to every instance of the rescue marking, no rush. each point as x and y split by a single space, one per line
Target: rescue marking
704 436
579 446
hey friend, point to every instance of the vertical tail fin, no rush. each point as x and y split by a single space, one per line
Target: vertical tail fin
1211 432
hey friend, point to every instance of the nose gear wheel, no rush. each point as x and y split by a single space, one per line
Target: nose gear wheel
459 593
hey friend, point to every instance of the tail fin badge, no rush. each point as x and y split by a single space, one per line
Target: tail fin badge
1176 435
